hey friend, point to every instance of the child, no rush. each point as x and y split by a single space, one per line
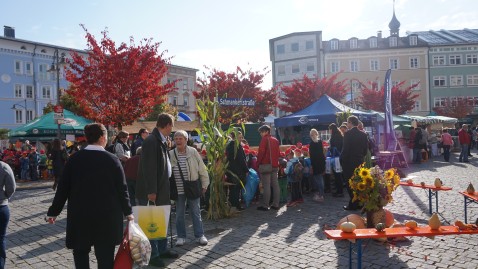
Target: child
42 165
33 162
24 165
294 176
306 178
49 167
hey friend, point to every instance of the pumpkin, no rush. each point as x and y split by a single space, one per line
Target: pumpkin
434 222
438 183
470 189
422 183
380 227
355 219
347 227
410 181
411 224
389 219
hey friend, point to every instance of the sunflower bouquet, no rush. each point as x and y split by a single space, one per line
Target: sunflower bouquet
373 187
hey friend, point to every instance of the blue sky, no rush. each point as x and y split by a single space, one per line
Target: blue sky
225 34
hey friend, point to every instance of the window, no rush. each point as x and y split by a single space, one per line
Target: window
280 49
18 67
413 40
294 47
393 63
185 100
439 81
310 67
309 45
416 106
43 72
472 80
185 84
439 60
334 67
295 68
454 100
18 116
355 86
393 41
414 62
29 68
281 70
472 59
455 59
18 91
334 45
175 100
456 80
29 91
440 101
374 65
29 115
353 66
353 43
415 82
46 92
373 42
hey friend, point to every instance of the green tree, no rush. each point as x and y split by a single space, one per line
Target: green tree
4 133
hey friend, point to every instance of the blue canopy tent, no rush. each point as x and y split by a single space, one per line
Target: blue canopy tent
322 112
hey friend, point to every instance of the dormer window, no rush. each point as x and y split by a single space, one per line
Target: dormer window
353 43
393 41
413 40
23 48
373 42
334 44
43 51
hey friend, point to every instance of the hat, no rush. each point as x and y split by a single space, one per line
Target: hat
42 151
246 151
304 149
299 145
282 154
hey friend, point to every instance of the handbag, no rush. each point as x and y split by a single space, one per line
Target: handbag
192 188
267 168
173 188
123 259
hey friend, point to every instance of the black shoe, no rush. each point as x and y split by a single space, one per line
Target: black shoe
156 262
346 207
275 207
261 208
169 255
338 195
240 208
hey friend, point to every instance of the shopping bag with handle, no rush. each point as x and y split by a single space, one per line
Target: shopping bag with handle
153 220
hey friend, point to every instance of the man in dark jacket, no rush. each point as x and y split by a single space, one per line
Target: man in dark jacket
237 169
353 153
152 184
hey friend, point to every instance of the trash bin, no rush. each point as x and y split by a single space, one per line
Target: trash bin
283 189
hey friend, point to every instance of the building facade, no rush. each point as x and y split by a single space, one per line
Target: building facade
185 83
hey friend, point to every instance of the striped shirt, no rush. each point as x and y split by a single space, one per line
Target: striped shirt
177 176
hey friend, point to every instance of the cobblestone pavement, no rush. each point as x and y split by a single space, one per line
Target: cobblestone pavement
288 238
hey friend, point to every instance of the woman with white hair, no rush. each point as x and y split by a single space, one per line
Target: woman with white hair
317 159
188 165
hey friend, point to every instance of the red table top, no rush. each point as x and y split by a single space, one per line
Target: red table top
473 196
442 188
396 232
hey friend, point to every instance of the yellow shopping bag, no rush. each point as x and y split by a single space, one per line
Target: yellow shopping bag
153 220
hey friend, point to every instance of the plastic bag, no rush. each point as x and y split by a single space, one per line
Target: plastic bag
251 186
139 245
328 165
337 166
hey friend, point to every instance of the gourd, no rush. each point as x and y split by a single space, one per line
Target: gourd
411 224
438 183
410 181
434 222
389 219
355 219
470 189
347 227
422 183
380 227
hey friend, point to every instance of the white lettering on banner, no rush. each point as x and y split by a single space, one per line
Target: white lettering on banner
305 120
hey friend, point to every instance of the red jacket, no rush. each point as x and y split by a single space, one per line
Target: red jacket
264 157
463 137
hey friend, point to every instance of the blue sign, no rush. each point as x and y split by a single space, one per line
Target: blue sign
237 102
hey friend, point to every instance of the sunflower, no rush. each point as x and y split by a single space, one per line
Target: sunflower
361 186
364 172
389 174
369 181
355 198
396 180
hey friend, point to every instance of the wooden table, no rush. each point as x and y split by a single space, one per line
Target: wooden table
359 234
469 198
389 157
432 192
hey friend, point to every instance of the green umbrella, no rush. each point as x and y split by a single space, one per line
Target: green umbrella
45 127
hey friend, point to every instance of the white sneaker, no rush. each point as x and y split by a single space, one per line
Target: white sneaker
180 241
202 240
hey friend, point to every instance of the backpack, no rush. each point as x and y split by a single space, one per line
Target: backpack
307 164
111 148
297 171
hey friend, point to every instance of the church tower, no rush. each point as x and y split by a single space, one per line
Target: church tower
394 24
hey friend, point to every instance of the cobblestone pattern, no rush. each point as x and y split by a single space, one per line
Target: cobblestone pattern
288 238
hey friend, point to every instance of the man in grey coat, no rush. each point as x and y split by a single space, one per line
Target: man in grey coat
152 184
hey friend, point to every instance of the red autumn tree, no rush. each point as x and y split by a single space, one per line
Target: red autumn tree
403 100
301 93
239 84
456 108
117 85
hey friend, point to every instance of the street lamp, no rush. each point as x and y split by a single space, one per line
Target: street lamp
58 59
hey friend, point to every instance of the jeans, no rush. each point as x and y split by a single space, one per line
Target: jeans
4 218
24 174
464 153
446 152
417 155
131 191
157 246
339 183
268 181
105 256
319 184
194 211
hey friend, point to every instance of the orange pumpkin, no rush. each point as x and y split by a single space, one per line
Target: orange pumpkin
355 219
389 219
